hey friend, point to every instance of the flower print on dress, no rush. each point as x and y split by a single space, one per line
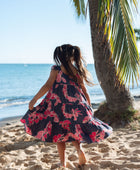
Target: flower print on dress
102 135
58 138
51 114
72 83
72 113
33 118
28 130
58 79
63 80
66 114
38 117
23 121
56 98
86 119
44 133
65 93
79 131
93 136
56 86
65 124
76 112
71 135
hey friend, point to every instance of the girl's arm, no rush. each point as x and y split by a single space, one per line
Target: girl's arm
44 88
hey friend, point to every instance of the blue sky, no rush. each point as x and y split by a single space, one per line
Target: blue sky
31 29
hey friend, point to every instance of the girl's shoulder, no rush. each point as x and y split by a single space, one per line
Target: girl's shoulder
55 67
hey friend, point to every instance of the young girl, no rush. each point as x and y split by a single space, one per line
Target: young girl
65 114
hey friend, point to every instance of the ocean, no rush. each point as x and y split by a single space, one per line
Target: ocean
20 82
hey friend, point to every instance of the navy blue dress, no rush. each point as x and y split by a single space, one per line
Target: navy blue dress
64 115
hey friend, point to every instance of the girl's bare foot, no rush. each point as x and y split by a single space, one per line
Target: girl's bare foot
82 158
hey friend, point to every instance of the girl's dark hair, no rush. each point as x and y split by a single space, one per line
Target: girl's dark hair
64 54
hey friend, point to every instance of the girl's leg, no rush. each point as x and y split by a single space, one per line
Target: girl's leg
81 154
61 150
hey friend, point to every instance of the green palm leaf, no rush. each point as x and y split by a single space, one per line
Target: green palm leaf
123 42
116 16
137 31
80 7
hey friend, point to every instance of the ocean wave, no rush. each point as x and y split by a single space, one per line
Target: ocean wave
3 101
14 98
13 104
15 101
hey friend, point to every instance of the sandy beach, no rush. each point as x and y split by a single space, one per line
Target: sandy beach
19 151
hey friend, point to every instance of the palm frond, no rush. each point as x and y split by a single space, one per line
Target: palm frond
137 32
116 15
80 8
104 13
125 52
134 2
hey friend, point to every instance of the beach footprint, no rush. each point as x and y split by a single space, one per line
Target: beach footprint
45 158
29 152
35 167
72 157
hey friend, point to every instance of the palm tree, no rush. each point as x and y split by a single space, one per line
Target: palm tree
114 48
137 31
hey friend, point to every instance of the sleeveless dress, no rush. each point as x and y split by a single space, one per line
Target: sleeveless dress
64 115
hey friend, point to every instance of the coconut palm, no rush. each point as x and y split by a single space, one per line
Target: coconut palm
137 31
114 48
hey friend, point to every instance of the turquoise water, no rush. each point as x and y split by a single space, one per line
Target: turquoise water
20 82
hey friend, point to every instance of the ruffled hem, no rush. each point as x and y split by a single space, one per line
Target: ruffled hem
96 131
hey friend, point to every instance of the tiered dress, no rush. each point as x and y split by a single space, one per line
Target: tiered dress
64 115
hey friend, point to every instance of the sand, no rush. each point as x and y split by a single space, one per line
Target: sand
20 151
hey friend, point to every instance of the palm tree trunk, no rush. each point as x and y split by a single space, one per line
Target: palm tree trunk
118 97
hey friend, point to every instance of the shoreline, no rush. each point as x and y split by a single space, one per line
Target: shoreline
9 120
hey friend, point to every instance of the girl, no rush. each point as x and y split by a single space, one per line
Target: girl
65 114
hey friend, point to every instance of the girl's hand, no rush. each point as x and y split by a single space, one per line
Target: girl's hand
32 103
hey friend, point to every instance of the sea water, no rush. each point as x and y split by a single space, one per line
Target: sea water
20 82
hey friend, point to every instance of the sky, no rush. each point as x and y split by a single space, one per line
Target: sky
31 29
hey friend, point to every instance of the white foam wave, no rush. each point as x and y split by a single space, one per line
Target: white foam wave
12 104
4 103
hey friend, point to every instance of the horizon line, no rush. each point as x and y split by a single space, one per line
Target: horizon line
35 63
